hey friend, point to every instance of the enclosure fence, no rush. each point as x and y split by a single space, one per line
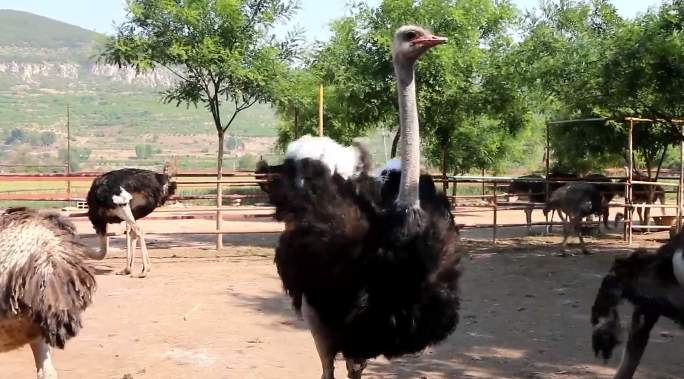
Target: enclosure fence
494 198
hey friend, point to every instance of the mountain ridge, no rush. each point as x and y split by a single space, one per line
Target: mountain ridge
44 32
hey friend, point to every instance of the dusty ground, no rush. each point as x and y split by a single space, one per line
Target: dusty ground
206 315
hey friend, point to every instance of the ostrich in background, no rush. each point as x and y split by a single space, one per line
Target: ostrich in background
127 195
576 201
608 192
371 264
654 284
531 186
45 284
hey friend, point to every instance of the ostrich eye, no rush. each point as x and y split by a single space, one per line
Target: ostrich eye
411 35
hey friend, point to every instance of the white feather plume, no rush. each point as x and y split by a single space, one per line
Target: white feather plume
343 160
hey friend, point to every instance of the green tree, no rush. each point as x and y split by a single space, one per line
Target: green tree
222 51
233 143
144 151
247 162
17 135
48 138
469 103
584 61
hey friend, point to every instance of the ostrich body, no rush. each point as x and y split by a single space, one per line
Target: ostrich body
531 186
576 201
45 283
127 195
371 265
534 188
646 194
608 192
654 284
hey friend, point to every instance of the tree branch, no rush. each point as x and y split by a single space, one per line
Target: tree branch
172 71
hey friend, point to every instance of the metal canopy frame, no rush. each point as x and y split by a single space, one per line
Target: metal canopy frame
629 205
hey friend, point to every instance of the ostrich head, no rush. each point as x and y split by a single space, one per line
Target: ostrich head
410 43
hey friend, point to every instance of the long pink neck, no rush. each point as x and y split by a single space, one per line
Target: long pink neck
410 135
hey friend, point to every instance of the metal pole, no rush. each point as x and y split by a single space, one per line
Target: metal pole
629 182
320 111
494 229
483 184
680 195
547 158
68 158
219 214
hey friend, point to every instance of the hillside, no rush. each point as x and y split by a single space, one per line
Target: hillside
45 65
25 29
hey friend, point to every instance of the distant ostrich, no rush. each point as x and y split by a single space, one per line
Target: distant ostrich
654 284
534 188
45 284
641 194
576 201
608 192
371 264
127 195
531 186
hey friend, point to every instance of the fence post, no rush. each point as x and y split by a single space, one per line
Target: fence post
219 215
496 208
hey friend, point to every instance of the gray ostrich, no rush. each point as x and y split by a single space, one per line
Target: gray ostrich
45 283
576 201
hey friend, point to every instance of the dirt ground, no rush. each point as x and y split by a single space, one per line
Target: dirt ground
203 314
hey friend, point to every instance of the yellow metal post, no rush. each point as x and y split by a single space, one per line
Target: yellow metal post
320 111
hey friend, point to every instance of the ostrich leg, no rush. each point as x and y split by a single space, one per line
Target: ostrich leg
642 323
146 264
321 339
130 252
41 354
528 219
355 368
135 232
577 225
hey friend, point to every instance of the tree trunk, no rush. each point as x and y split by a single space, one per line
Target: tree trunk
219 189
296 123
395 143
219 159
445 163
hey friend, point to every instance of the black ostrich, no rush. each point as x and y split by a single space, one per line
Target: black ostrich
372 265
645 194
127 195
531 186
654 284
576 201
608 192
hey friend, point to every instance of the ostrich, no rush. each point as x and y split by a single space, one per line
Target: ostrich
531 186
534 187
654 284
608 192
371 265
127 195
641 194
45 283
576 200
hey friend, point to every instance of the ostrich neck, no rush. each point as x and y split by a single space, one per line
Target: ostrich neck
410 136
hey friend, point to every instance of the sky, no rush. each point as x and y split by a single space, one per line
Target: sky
314 16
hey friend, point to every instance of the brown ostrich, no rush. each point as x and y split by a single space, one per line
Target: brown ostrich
45 283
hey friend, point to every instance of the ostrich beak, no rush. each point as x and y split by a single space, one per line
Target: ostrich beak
430 40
